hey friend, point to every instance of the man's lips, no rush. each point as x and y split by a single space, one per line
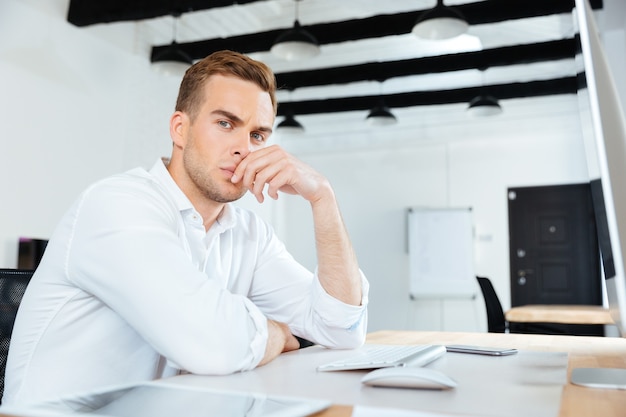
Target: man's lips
229 171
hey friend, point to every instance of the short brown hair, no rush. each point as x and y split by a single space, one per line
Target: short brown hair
191 92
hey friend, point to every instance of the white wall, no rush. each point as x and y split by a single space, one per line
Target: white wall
448 165
375 187
77 104
61 117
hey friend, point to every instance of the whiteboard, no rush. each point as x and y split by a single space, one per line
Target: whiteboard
441 255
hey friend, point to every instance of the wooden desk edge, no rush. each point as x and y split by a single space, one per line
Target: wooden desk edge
335 411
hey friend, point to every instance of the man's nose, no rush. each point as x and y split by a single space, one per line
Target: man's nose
242 146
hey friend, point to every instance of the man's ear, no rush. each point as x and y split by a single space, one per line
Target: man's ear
179 122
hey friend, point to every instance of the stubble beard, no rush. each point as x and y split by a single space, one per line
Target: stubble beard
215 189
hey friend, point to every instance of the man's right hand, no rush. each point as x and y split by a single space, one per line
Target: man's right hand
279 340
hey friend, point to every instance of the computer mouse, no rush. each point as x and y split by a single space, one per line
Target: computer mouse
409 377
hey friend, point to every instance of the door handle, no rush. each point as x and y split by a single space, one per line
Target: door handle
522 274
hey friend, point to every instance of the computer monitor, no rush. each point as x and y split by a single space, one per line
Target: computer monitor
604 133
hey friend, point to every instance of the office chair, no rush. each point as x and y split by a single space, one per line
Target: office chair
13 283
496 320
496 323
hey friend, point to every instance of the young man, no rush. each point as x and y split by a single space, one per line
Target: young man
152 273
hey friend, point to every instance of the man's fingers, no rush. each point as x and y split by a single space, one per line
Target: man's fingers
280 171
258 175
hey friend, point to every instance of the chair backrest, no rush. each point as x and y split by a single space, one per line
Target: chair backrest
13 283
496 323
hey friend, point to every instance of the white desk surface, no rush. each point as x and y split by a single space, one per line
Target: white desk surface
583 351
482 380
527 384
286 375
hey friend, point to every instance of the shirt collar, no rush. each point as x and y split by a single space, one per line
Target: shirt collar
162 175
226 219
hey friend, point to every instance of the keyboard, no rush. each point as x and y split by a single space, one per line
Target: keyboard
384 356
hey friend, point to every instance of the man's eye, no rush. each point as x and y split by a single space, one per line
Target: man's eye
224 123
257 137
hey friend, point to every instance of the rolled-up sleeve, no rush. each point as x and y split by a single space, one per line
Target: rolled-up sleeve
346 323
287 292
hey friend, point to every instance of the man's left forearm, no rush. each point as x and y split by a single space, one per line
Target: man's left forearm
338 268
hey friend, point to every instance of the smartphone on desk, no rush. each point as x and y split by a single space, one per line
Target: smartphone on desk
481 350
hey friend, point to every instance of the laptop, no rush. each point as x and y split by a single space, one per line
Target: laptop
158 399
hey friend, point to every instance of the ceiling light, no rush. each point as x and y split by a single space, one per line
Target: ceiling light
296 43
381 116
439 23
290 125
484 105
171 60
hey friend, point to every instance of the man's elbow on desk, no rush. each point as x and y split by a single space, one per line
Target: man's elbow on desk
339 325
223 351
215 363
344 335
350 342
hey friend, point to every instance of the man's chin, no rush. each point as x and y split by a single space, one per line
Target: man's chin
239 193
230 195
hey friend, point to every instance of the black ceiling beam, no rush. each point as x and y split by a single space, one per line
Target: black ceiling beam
488 11
380 71
89 12
565 85
86 12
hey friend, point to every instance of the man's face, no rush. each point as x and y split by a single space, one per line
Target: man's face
235 119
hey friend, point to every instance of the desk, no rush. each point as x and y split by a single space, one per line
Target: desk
575 401
566 314
283 375
583 351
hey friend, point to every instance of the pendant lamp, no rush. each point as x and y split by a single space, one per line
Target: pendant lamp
381 115
440 23
171 59
484 105
296 43
290 124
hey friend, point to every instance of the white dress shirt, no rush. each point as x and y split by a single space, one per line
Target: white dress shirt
132 287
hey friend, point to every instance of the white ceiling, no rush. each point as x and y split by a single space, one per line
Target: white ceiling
273 14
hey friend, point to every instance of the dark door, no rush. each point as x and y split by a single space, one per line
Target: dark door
554 256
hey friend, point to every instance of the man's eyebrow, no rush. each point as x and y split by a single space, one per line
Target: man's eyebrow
267 130
237 119
228 115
